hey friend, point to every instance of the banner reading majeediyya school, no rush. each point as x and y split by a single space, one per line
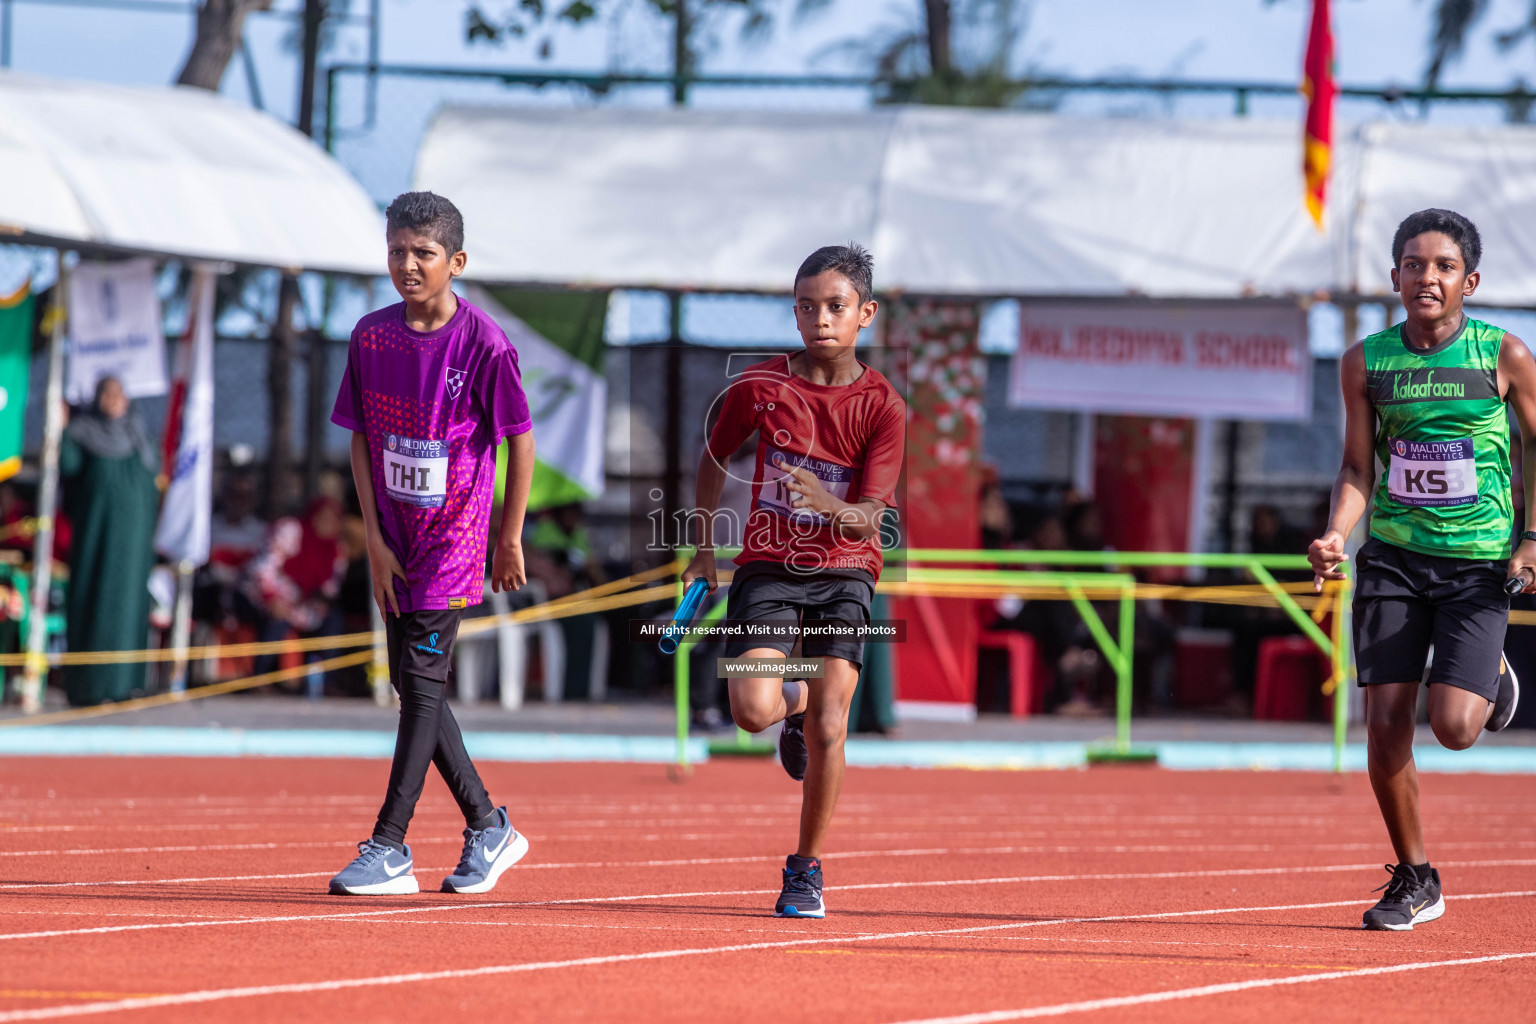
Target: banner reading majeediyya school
1245 361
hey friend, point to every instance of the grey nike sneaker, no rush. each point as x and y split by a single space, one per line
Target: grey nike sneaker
1508 698
1408 901
487 853
379 870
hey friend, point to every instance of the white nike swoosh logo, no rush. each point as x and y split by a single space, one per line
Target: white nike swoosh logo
491 855
395 872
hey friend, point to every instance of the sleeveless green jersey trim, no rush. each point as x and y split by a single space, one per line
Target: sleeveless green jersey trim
1442 435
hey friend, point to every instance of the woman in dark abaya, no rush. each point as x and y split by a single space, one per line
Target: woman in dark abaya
108 465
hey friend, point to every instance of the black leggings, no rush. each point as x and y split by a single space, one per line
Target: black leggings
428 735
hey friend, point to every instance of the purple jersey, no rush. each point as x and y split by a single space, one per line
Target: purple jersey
434 407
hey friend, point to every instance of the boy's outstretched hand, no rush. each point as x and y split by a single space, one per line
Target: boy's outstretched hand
702 566
507 572
383 567
1325 554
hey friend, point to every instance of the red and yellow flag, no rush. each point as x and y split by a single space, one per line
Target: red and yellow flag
1320 89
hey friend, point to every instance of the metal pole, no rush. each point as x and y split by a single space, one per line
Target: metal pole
5 33
330 109
680 691
1123 668
252 82
1341 683
315 418
378 668
47 501
314 15
375 31
181 626
672 426
681 64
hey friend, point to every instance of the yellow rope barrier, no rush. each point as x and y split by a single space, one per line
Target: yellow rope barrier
572 604
553 610
617 594
162 699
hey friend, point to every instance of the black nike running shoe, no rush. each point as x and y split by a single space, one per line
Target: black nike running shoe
1508 698
802 892
1408 901
792 753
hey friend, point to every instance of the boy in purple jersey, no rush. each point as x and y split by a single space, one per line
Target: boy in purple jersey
432 386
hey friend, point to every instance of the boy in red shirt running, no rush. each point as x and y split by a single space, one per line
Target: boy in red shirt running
831 431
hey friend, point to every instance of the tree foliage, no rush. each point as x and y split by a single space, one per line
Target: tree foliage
489 22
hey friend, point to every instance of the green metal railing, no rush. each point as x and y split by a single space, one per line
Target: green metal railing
1081 587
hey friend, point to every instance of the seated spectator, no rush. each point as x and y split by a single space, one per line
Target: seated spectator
18 527
292 584
559 552
996 517
236 532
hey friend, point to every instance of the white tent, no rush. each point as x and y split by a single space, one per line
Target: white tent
175 172
965 202
169 172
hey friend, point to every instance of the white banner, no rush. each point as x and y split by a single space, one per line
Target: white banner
115 330
1227 361
186 516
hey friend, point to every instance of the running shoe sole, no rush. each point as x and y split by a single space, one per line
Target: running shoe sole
1427 914
514 852
404 885
820 911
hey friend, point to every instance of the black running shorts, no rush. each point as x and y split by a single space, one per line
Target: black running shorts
421 643
789 597
1406 601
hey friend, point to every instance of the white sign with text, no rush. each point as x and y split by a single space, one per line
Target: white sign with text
115 330
1221 360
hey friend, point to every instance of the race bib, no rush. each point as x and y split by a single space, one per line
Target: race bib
1432 474
838 480
416 472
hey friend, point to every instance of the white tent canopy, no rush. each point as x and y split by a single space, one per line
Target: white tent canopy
175 172
965 202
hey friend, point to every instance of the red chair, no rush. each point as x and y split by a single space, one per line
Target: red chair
1289 681
1024 697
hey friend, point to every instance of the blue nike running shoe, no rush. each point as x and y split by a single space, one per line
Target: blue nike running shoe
379 870
487 853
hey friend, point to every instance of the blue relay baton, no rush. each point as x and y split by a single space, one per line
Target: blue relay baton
684 617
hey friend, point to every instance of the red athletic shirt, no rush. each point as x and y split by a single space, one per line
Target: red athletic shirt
851 436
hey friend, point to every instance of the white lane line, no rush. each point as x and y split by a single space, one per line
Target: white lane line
1113 876
246 992
949 851
1116 1002
1223 944
575 901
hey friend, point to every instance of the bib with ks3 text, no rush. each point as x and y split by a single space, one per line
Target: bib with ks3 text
1432 474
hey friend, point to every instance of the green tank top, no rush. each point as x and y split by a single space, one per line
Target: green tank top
1442 436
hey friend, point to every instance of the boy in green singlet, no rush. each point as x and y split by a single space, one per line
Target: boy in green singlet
1430 398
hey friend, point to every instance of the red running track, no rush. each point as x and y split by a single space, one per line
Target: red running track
175 889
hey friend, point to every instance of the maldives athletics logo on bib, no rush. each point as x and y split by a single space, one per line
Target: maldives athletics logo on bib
455 382
1400 447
